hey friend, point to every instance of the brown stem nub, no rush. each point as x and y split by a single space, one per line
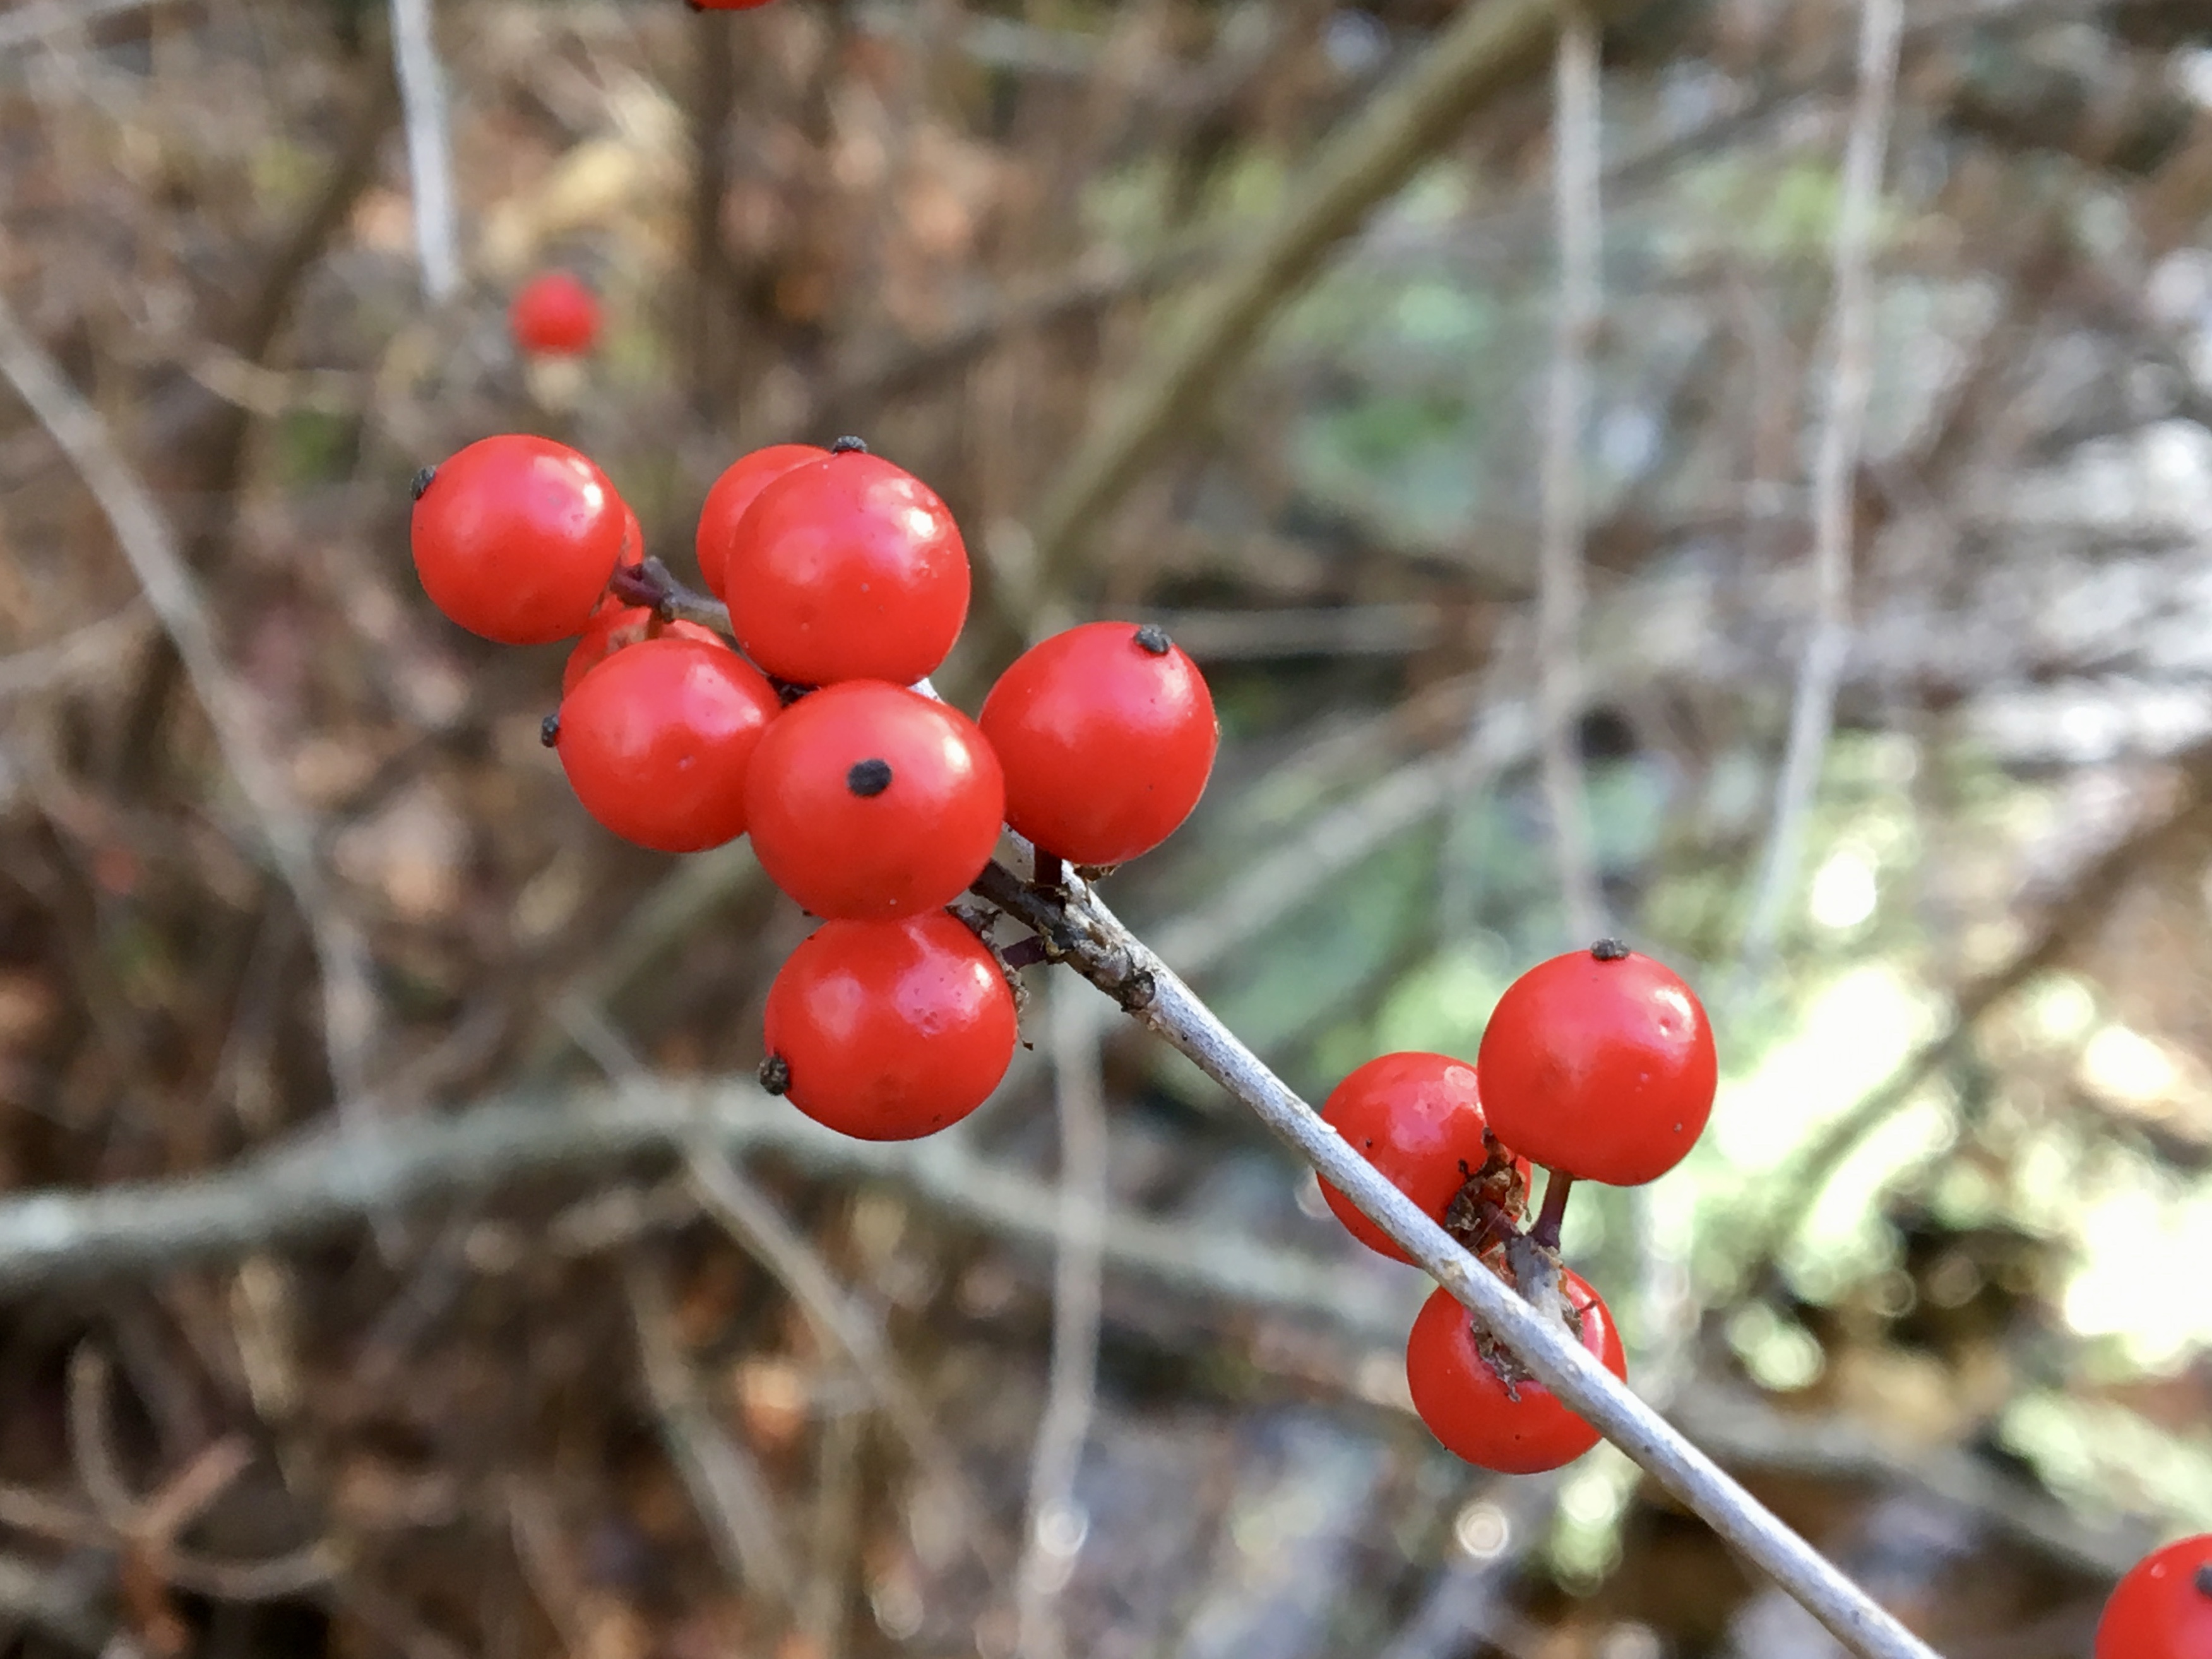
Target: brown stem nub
421 483
869 778
1050 875
549 730
775 1074
848 446
1608 950
1154 639
1549 1220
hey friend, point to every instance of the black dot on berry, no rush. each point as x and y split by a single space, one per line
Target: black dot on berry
848 446
869 778
1608 950
2204 1579
549 730
421 482
775 1074
1154 640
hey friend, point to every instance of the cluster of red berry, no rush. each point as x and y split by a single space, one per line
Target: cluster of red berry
2163 1607
1596 1066
870 801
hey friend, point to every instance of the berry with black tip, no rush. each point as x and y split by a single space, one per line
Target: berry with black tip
869 800
1108 735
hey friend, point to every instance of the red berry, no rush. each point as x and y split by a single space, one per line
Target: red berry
615 625
738 487
514 538
554 315
657 739
847 568
890 1030
2163 1609
869 800
633 544
1107 734
1417 1118
1520 1428
1600 1063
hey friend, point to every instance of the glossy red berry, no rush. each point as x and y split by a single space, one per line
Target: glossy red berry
615 625
847 568
554 315
657 739
1516 1428
1108 735
2163 1609
1418 1119
738 487
869 800
514 538
885 1031
1601 1063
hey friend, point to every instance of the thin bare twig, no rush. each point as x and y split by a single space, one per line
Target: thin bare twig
1056 1526
1576 150
1084 934
727 1485
1812 712
1486 49
429 145
752 1218
147 542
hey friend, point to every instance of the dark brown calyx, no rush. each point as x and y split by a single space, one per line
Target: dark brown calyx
421 483
775 1074
848 446
1154 639
1608 950
549 730
869 778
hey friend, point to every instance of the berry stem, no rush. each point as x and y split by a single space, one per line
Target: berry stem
1554 1215
650 585
1051 875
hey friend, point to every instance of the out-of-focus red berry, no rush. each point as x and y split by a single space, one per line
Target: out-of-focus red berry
554 315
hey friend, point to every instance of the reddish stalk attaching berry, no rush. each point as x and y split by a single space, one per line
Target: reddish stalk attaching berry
885 1030
554 315
657 739
847 568
1601 1063
615 625
2163 1609
736 490
868 801
514 538
1417 1118
1516 1426
1108 735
